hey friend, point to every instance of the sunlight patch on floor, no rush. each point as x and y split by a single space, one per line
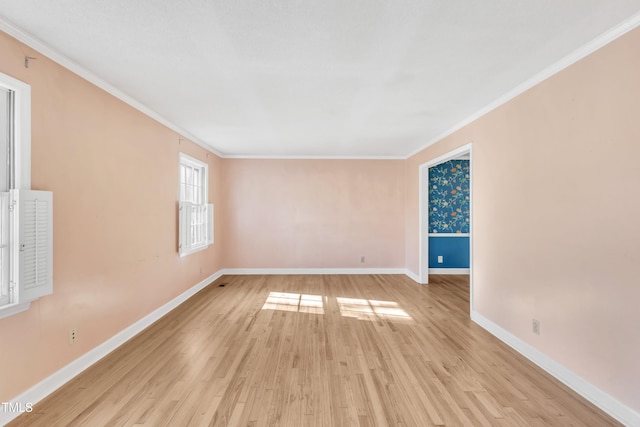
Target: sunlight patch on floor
371 309
302 303
357 308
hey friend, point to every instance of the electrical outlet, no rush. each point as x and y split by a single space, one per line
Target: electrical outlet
440 259
535 326
362 259
73 335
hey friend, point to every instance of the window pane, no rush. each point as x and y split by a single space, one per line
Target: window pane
196 185
188 175
188 193
5 138
5 185
4 248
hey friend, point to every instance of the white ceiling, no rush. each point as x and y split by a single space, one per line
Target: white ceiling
329 78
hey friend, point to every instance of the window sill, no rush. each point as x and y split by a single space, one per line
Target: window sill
10 310
193 250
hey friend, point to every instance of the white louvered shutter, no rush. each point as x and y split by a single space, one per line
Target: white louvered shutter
184 219
34 210
210 224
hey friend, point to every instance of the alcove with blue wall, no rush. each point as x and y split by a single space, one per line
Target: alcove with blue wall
449 215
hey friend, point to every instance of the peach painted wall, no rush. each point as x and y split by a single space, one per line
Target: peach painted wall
314 213
556 227
114 176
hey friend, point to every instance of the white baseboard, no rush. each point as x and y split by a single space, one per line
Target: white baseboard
62 376
411 275
249 271
448 271
608 404
240 271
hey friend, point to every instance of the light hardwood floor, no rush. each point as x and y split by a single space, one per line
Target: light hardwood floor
363 350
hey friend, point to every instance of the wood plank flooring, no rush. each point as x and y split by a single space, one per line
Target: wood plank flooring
364 350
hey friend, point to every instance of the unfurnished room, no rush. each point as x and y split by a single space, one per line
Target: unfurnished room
336 213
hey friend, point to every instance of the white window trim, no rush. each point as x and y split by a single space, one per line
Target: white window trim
183 249
22 155
15 308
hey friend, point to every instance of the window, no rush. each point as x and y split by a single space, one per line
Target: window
26 239
195 215
6 107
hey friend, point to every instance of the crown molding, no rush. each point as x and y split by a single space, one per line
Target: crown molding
304 157
46 50
595 44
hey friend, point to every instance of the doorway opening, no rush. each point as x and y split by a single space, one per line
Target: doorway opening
456 231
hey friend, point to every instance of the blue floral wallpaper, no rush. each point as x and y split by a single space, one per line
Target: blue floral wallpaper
449 197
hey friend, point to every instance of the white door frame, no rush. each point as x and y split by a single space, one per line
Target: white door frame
424 210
